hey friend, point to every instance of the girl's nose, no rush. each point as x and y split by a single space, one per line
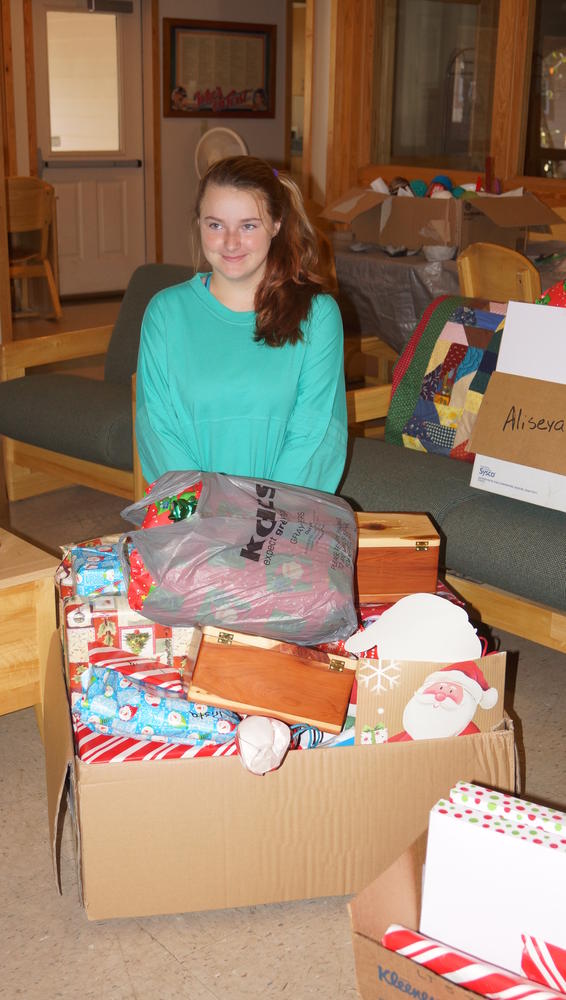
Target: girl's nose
232 238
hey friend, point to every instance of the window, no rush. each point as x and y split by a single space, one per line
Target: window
433 82
546 128
82 55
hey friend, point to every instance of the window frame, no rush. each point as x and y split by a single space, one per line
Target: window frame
355 28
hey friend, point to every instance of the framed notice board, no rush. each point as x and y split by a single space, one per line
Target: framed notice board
218 69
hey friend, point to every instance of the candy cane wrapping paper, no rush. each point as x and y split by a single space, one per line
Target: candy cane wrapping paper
544 962
463 969
482 883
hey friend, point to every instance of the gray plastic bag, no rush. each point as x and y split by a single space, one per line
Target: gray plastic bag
256 556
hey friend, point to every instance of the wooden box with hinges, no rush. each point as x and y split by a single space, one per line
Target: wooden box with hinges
257 676
397 555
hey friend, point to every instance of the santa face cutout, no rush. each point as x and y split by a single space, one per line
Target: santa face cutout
438 709
447 701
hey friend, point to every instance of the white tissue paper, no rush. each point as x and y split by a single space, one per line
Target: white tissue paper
420 627
380 186
262 743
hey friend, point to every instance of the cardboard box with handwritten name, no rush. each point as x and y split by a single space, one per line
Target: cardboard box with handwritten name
520 431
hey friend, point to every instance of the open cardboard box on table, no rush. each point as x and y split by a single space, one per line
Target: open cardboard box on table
415 222
167 836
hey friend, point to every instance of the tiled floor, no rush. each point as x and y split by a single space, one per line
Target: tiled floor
49 951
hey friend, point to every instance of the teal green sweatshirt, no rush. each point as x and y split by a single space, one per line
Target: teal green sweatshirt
210 398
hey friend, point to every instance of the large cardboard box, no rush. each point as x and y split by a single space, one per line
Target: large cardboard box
394 898
415 222
166 836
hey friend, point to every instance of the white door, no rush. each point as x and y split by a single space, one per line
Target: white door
88 74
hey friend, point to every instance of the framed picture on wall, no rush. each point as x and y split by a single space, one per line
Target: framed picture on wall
218 69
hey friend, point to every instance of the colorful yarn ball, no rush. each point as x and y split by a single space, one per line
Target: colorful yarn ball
419 188
444 180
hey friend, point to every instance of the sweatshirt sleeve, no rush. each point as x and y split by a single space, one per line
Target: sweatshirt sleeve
160 444
316 438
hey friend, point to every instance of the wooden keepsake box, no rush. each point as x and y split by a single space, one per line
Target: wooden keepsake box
257 676
397 555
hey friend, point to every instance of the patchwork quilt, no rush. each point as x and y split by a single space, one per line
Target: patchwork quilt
440 378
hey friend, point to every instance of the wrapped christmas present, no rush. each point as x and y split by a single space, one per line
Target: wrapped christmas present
96 570
107 624
113 703
478 857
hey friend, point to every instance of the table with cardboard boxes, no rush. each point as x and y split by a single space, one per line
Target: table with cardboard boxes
386 293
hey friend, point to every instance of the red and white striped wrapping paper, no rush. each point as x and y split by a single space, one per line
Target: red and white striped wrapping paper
97 748
544 962
462 969
149 671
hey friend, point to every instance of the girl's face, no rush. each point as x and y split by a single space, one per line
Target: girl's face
236 232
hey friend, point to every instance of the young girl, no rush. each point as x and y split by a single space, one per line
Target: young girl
240 369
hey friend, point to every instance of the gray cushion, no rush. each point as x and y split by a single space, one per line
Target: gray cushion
122 356
506 543
383 477
509 544
82 417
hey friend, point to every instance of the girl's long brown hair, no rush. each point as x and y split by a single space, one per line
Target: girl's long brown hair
293 272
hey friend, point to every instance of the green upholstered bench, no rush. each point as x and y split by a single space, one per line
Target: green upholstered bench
60 428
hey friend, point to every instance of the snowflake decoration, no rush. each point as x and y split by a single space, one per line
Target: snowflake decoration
383 676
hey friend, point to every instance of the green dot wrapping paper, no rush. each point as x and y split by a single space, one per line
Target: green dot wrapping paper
509 807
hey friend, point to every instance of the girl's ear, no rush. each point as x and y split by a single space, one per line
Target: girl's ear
276 227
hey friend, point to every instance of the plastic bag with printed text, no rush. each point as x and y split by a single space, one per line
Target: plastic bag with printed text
261 557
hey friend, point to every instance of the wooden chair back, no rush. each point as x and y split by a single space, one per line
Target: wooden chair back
30 207
489 271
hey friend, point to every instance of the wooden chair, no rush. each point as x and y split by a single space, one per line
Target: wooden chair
30 206
486 270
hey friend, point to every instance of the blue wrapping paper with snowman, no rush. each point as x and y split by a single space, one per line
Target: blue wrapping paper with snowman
257 556
112 703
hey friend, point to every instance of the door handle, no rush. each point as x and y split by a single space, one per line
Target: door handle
74 164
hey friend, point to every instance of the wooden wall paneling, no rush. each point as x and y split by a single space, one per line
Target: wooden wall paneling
5 294
550 190
366 46
8 107
288 84
307 111
156 113
30 89
350 92
485 46
511 86
384 80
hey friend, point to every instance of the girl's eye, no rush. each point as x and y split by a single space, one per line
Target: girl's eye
249 226
214 225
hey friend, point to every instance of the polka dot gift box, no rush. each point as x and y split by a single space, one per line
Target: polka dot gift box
495 875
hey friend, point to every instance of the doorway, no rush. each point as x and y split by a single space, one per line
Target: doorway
89 109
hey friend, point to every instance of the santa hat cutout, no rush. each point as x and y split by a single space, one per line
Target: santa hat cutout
471 678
